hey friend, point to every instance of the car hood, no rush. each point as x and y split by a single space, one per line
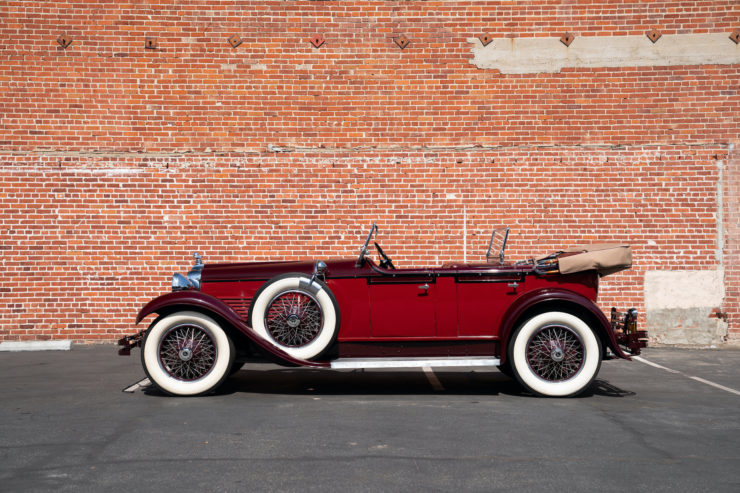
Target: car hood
268 270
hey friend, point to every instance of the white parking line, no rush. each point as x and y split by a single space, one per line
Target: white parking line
138 385
707 382
726 389
433 380
656 365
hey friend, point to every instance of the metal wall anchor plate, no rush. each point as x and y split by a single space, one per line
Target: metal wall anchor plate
485 39
735 36
64 41
653 35
567 38
317 40
402 41
150 43
234 41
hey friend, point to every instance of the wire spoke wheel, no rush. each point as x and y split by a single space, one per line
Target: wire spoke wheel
293 318
297 314
555 353
187 352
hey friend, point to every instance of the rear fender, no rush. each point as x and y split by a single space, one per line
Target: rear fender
195 300
550 299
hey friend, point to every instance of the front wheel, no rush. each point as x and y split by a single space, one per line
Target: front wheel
555 354
187 353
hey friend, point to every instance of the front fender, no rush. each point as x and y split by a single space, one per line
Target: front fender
189 300
556 296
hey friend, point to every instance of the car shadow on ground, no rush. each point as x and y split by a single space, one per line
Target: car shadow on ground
368 382
290 381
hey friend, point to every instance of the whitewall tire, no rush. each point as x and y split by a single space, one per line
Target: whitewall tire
296 315
555 354
187 353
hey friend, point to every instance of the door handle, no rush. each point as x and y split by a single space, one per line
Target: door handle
425 287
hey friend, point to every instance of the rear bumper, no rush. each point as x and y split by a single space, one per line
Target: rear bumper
624 325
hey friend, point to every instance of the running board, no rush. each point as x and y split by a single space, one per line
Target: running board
347 363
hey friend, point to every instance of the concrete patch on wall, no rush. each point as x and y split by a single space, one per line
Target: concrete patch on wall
537 55
682 306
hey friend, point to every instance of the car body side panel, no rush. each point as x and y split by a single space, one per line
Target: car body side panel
482 301
352 298
484 297
446 307
402 306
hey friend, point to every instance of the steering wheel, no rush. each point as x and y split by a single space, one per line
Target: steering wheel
386 261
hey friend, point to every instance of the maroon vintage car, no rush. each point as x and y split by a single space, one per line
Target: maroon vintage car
536 320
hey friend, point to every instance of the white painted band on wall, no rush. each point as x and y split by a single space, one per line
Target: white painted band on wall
684 289
549 55
35 345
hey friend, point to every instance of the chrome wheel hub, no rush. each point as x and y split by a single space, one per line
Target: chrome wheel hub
555 353
293 321
187 352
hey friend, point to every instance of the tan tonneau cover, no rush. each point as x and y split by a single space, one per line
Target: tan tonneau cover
605 258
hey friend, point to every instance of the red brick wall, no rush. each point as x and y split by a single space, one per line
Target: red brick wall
119 161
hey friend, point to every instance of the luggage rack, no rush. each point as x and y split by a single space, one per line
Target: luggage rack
547 265
544 265
624 325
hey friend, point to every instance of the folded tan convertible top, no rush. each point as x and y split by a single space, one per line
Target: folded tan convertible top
606 258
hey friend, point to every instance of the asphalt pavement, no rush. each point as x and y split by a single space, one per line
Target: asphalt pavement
668 422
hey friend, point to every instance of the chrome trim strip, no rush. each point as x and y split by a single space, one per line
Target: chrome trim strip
352 363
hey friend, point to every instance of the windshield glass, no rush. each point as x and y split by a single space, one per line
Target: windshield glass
497 245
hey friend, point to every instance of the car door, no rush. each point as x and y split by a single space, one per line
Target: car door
402 305
482 300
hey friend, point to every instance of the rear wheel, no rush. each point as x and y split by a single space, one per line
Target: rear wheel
187 353
555 354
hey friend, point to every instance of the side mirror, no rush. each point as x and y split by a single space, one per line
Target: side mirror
319 270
